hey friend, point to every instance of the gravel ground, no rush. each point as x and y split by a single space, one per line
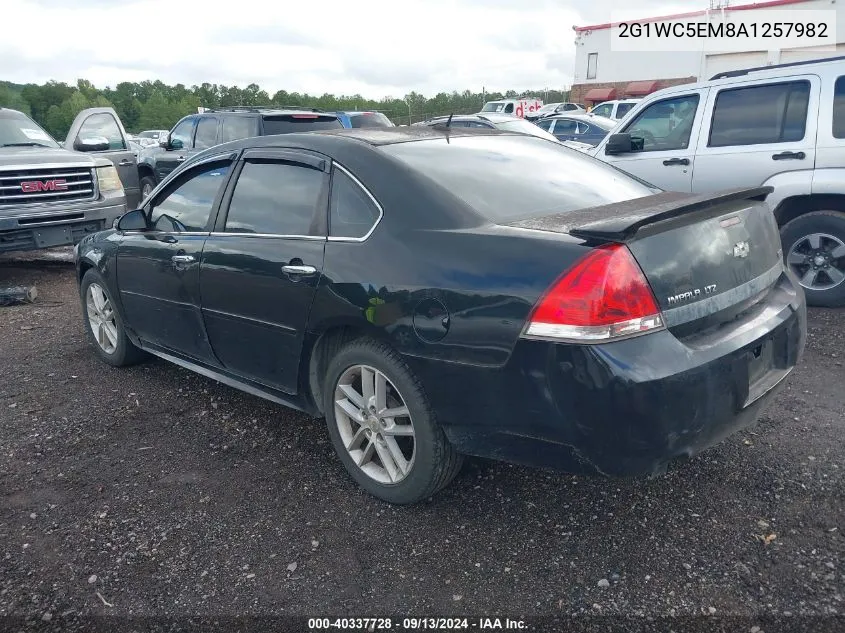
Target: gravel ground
152 491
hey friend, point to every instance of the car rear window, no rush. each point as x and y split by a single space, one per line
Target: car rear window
289 123
369 119
510 177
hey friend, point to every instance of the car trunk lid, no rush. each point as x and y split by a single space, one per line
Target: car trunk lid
706 257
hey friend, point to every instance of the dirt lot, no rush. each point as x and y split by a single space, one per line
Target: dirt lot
152 491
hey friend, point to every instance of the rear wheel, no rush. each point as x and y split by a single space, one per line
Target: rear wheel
104 324
383 427
814 249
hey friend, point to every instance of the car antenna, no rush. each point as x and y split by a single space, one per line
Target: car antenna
449 120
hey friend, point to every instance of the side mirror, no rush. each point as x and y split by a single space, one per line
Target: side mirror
91 144
618 144
132 221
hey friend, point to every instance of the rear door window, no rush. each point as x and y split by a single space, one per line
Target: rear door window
839 108
275 198
289 123
565 126
206 133
762 114
624 108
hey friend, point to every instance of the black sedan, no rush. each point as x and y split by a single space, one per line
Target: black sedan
435 293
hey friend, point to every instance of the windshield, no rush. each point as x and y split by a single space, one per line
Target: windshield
494 106
525 127
18 130
510 177
369 119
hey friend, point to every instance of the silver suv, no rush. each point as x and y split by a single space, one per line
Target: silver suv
782 126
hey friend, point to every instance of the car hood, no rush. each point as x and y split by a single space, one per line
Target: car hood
36 156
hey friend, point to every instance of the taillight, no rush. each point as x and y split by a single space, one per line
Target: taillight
603 297
304 116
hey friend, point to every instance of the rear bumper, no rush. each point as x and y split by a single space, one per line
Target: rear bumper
35 228
625 408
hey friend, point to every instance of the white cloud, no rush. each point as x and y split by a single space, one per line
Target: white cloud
377 48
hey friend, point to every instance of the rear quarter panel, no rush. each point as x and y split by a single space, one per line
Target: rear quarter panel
458 296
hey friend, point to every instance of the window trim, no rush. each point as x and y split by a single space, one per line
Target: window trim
594 56
780 81
372 198
302 158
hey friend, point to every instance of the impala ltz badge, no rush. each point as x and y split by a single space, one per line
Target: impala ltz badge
695 293
741 249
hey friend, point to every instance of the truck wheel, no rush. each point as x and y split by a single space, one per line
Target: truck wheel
383 427
814 249
147 185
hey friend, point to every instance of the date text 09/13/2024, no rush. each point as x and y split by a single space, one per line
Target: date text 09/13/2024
416 624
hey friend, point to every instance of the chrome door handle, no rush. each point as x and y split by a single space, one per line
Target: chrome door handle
179 159
182 259
292 269
124 163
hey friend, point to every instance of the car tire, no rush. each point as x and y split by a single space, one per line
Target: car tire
817 238
431 464
101 315
148 183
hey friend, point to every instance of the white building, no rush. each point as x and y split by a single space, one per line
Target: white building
602 73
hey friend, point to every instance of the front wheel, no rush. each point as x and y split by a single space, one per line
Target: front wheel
104 324
382 426
147 186
814 249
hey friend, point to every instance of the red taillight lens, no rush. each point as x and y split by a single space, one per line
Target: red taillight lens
604 296
304 116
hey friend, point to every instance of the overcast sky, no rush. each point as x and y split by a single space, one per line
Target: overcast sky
375 48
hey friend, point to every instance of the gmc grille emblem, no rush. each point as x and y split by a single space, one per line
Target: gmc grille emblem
34 186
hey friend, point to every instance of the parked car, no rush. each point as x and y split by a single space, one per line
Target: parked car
358 119
490 121
555 108
781 126
52 196
614 109
584 128
417 286
197 132
152 134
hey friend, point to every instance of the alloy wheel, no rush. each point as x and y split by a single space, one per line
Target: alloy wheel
375 424
101 318
818 260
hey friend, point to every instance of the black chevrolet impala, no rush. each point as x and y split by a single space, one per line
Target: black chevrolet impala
435 293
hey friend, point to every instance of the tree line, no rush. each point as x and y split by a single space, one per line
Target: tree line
155 105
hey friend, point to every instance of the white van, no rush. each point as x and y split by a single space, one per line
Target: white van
781 126
514 107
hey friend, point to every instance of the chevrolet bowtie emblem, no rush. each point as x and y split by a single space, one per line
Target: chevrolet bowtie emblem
741 249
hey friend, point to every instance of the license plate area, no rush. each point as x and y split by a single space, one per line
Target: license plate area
53 236
765 370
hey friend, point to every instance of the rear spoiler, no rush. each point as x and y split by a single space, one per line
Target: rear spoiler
620 221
